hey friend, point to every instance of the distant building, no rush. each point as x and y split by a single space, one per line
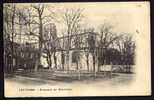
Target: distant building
24 56
79 43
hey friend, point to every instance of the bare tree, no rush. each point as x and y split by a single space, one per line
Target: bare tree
92 47
126 47
6 36
106 39
13 32
9 30
39 9
77 54
48 48
36 19
88 45
6 23
62 52
50 43
13 17
71 18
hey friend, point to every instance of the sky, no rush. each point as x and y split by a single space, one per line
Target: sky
125 17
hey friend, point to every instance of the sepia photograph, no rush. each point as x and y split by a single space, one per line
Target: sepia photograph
76 49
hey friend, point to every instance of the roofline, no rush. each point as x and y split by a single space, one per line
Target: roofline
77 34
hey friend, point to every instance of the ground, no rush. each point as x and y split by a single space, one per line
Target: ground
21 86
117 79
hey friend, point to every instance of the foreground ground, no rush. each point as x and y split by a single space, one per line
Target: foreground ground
117 79
22 86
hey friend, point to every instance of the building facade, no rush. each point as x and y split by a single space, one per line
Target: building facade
79 54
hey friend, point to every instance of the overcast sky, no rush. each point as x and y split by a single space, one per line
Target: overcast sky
127 17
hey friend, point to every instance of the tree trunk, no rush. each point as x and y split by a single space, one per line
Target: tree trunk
98 65
55 60
40 42
13 17
99 58
68 49
87 60
94 63
67 60
50 62
77 65
62 60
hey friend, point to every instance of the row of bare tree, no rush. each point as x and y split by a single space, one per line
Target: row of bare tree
21 22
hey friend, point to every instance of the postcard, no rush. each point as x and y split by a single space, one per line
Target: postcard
77 49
